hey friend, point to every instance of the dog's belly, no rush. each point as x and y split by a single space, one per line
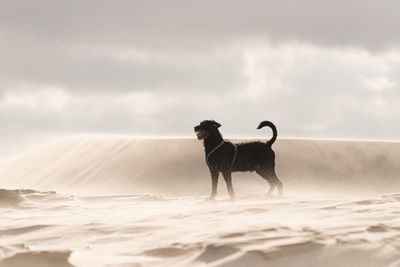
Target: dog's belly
242 170
253 165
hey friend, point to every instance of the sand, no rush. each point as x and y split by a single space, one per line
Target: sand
109 201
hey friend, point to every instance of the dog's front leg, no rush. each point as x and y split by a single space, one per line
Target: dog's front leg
214 183
228 181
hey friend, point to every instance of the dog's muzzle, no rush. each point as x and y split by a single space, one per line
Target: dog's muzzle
201 134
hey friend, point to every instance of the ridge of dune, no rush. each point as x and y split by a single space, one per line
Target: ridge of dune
113 165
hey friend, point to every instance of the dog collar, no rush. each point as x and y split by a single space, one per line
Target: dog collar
215 149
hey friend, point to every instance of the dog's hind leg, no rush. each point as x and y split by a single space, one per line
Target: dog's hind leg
278 183
272 179
214 183
228 181
266 177
271 187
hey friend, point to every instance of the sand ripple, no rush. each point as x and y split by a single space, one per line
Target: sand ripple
50 229
38 259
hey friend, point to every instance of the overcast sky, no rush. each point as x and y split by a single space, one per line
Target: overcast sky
325 69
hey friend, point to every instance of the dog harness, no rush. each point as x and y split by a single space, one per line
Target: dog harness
214 149
234 156
218 146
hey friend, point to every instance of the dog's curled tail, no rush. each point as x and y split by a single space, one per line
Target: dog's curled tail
274 131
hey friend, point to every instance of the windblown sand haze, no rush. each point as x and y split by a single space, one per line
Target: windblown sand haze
114 201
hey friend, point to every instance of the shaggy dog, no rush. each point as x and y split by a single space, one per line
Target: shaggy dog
226 157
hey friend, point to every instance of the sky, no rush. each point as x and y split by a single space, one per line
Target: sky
317 69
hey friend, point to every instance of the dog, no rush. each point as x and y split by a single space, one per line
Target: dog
226 157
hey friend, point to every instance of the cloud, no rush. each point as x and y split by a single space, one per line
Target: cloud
309 91
101 68
182 24
30 98
321 91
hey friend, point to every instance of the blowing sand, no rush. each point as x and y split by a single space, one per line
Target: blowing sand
129 202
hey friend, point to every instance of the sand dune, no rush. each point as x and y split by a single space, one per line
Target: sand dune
109 201
112 165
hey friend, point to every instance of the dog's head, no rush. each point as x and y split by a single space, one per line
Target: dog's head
206 128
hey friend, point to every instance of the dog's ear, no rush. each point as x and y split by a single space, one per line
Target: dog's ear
216 124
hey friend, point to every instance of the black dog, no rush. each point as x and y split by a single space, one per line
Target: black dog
223 156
